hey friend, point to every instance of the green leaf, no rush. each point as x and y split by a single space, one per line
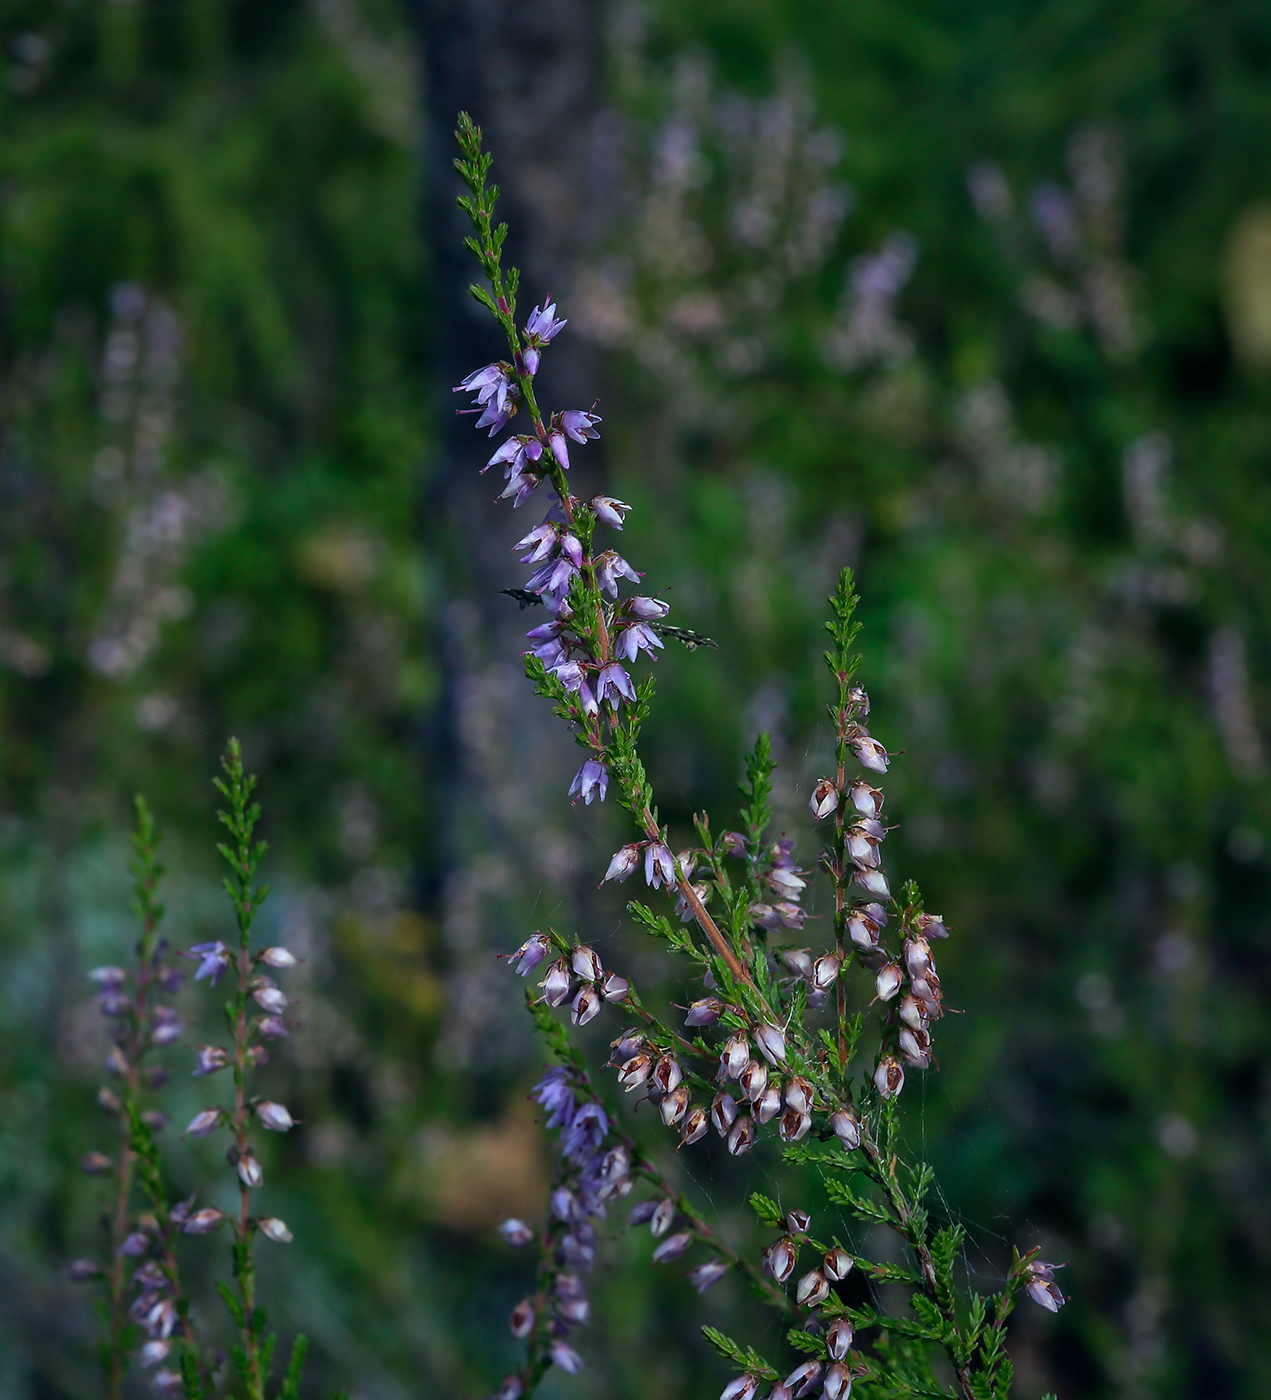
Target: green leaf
295 1367
806 1342
766 1209
744 1358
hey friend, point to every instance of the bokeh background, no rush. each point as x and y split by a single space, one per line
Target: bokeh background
975 297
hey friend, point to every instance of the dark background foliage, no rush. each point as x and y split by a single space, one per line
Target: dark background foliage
231 501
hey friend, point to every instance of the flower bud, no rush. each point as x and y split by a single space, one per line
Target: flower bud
838 1339
615 988
521 1323
794 1125
636 1070
203 1220
274 1229
672 1247
889 1078
663 1215
675 1105
872 882
708 1274
735 1055
531 953
249 1172
278 957
203 1123
837 1266
667 1073
723 1113
516 1232
798 1222
586 964
586 1006
564 1356
741 1136
769 1105
799 961
624 863
799 1095
869 753
812 1289
772 1044
781 1258
741 1388
557 983
847 1128
802 1380
270 999
694 1125
824 799
838 1382
753 1080
274 1116
867 800
888 981
825 970
96 1164
704 1012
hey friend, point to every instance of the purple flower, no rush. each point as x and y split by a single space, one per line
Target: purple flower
209 1059
540 542
495 418
566 1358
610 567
167 1026
610 511
274 1229
579 424
529 361
560 449
586 1131
613 684
109 979
273 1026
543 325
530 953
587 700
554 1093
274 1116
706 1275
205 1122
1041 1286
659 867
647 609
592 779
516 1232
569 673
213 959
635 638
490 384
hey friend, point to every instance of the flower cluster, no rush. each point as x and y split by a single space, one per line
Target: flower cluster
751 1062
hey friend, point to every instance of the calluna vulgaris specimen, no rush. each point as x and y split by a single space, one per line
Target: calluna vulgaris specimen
783 1059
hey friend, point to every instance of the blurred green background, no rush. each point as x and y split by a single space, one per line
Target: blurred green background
975 297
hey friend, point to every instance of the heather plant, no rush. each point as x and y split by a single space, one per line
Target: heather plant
146 1306
774 1047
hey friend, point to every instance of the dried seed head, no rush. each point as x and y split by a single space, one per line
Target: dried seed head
278 957
202 1221
931 926
663 1215
918 960
872 882
862 930
799 1094
636 1070
769 1105
521 1323
837 1266
825 970
927 990
888 981
249 1171
557 983
675 1105
798 1222
772 1044
667 1073
802 1380
862 848
694 1126
753 1080
624 863
838 1339
704 1012
516 1232
867 800
274 1229
723 1113
812 1289
274 1116
586 1006
869 753
912 1013
735 1055
586 964
741 1136
889 1078
781 1392
672 1247
203 1123
781 1258
847 1127
793 1125
824 799
740 1388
